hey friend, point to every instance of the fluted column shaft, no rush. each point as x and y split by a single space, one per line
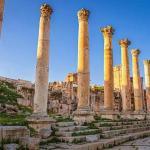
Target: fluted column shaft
1 13
147 82
42 67
136 81
83 60
108 68
125 75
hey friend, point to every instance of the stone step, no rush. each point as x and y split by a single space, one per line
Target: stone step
80 139
118 123
108 143
71 128
65 124
112 133
78 133
123 127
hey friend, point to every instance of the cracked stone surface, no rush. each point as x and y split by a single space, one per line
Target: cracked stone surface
140 144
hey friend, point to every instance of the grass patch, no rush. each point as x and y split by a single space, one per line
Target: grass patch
90 125
52 140
8 95
62 119
10 120
85 133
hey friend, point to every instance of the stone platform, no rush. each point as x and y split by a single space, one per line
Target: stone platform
40 122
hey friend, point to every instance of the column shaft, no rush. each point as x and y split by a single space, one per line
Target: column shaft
108 68
147 82
83 64
1 13
42 67
125 76
136 81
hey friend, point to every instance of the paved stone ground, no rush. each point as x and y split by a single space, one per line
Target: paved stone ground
140 144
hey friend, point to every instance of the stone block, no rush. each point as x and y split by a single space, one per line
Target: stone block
45 133
13 132
11 147
92 138
31 143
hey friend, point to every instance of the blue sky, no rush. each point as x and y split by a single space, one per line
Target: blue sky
18 43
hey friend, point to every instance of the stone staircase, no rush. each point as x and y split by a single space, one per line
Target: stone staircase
100 134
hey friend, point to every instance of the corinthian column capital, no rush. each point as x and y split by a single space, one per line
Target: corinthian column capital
83 14
46 10
146 62
124 42
107 31
135 52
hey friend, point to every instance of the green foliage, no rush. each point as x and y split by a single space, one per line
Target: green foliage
76 141
33 132
8 95
90 125
62 119
52 140
99 88
25 109
86 132
6 119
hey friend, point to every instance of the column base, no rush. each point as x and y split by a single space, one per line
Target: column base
38 121
84 115
109 114
126 115
140 115
148 115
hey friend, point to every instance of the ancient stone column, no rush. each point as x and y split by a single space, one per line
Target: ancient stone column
136 81
1 13
42 67
83 110
147 82
125 76
108 67
117 78
39 119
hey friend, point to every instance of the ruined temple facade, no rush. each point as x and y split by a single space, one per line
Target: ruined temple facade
62 96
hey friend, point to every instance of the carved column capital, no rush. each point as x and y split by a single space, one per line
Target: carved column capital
146 62
124 42
107 31
46 10
83 14
135 52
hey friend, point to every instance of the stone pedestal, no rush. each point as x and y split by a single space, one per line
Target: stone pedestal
109 114
133 115
39 119
147 83
40 122
138 100
83 112
125 76
83 115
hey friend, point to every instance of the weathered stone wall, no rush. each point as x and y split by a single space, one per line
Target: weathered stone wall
62 96
13 132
